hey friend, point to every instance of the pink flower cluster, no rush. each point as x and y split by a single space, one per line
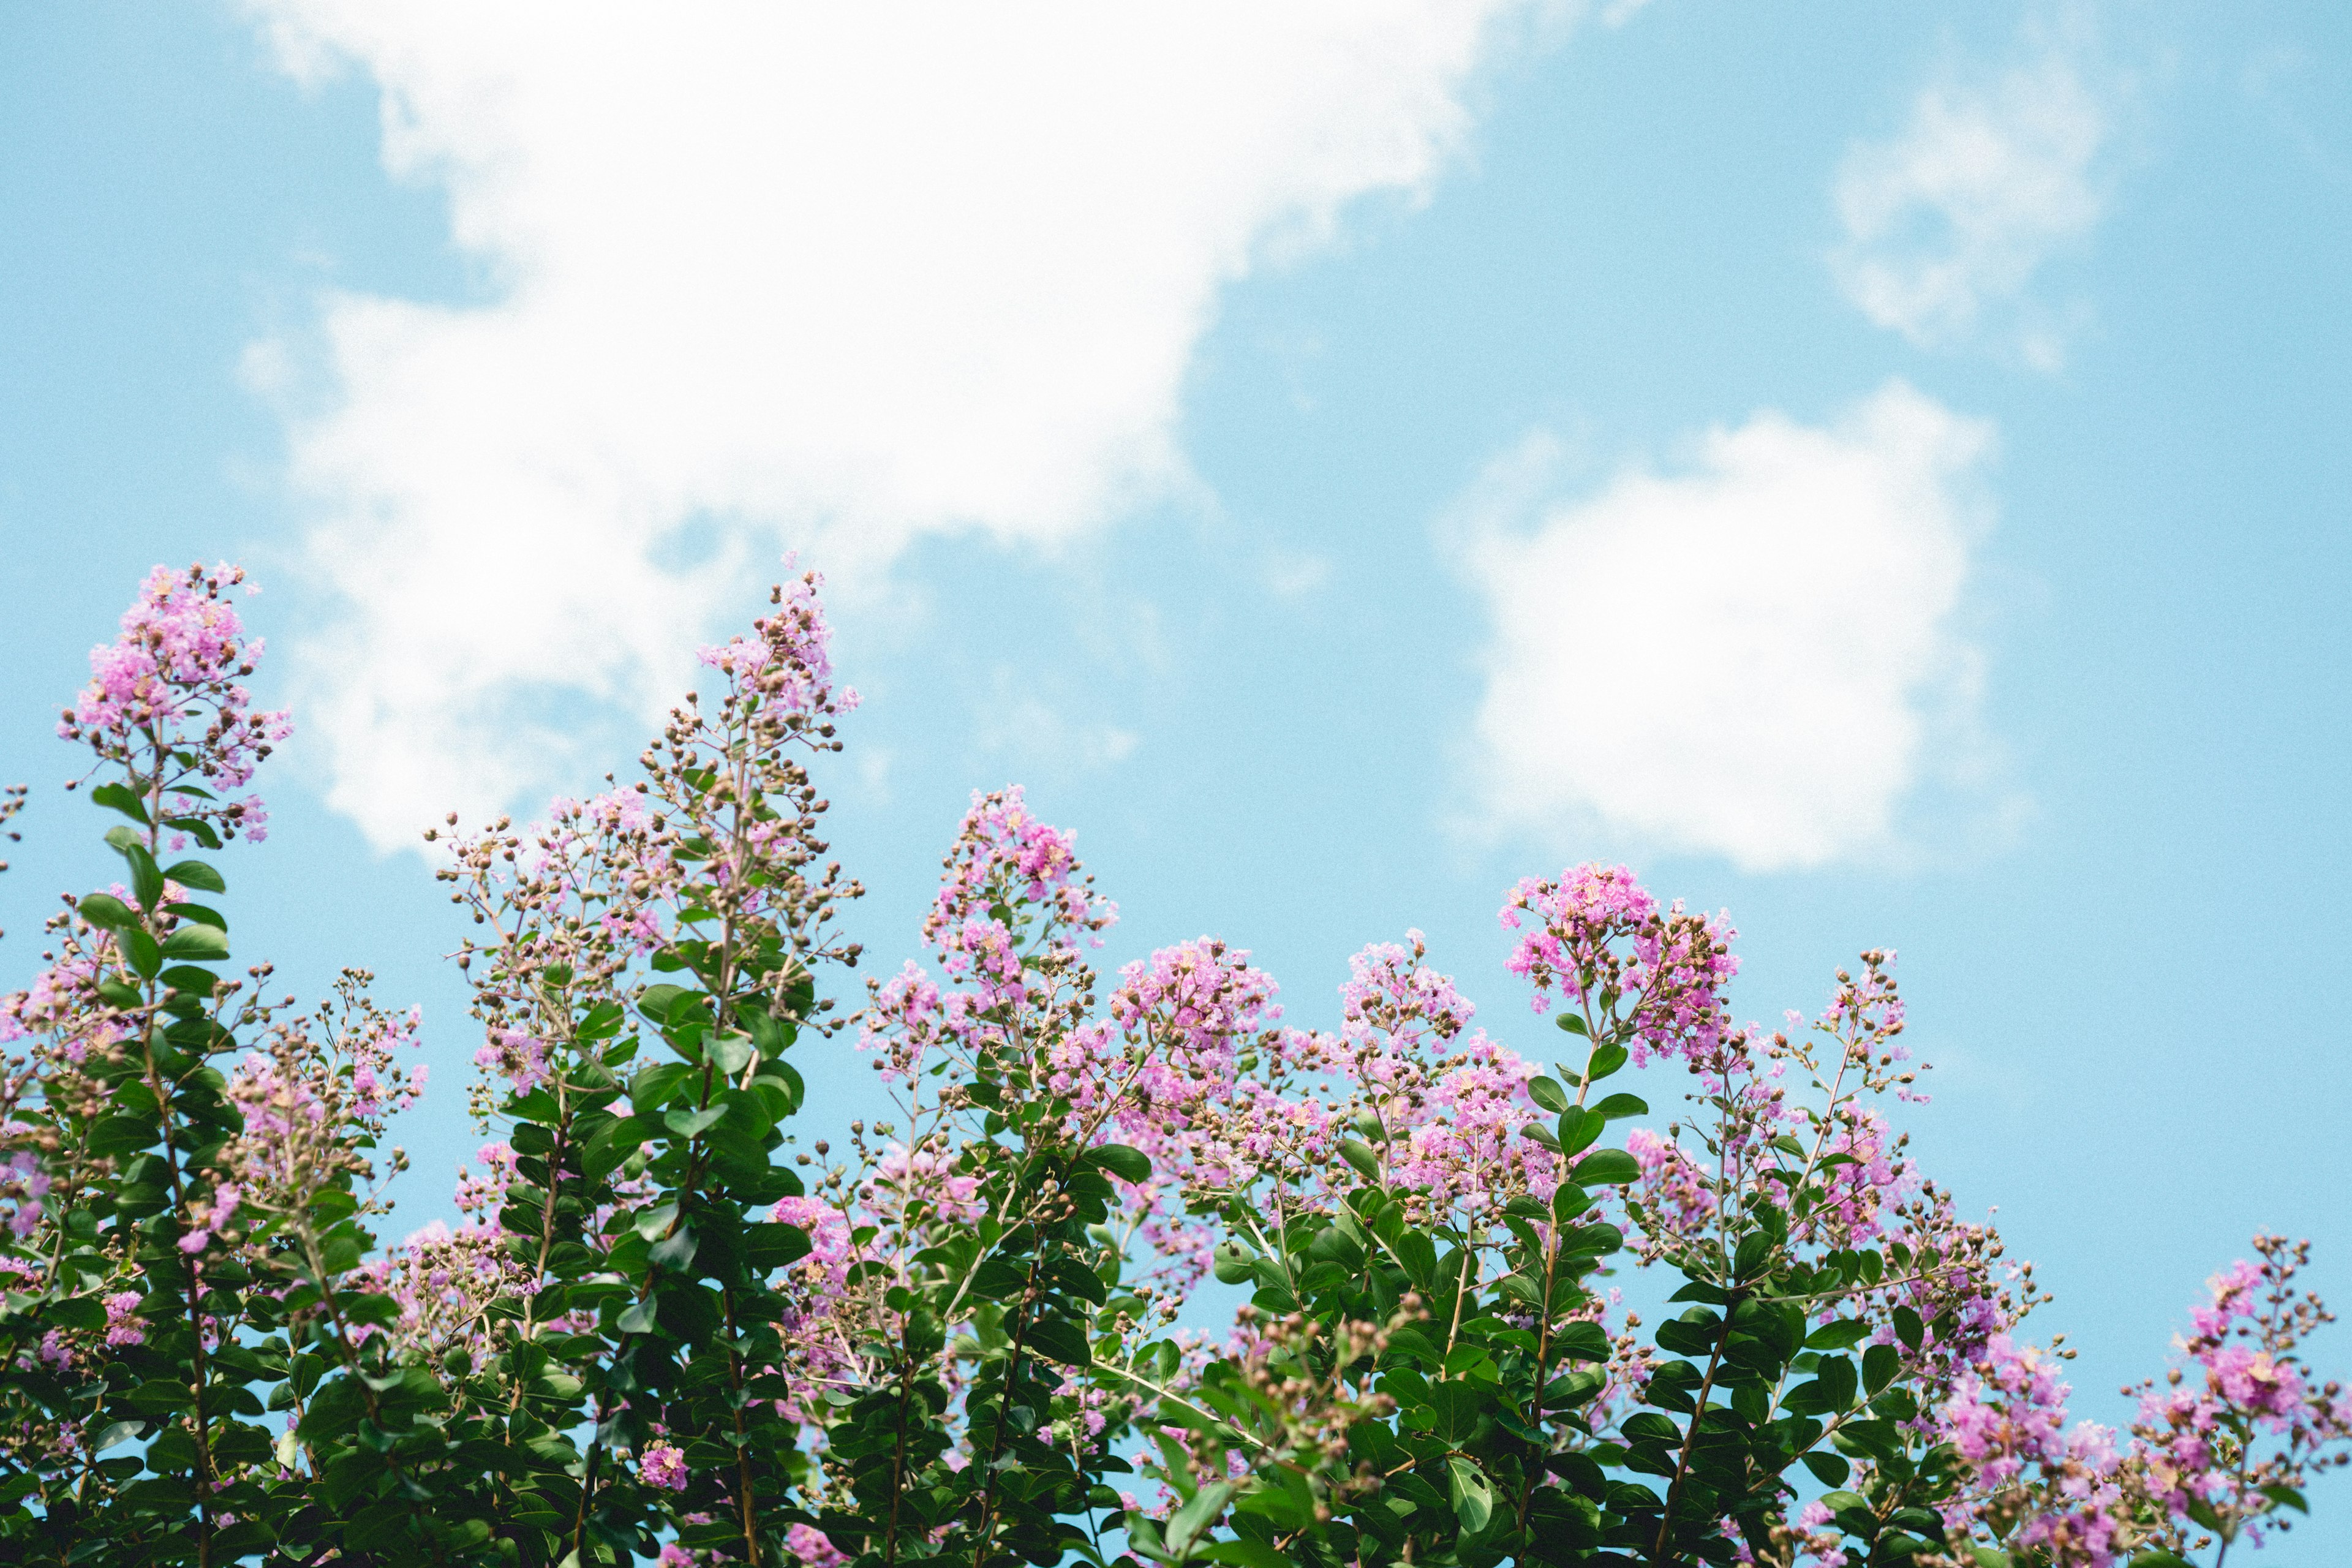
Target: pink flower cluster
448 1285
661 1465
165 698
2007 1417
23 1187
1602 940
486 1194
1004 858
790 655
2242 1416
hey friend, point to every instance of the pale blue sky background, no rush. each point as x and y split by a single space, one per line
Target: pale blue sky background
1169 402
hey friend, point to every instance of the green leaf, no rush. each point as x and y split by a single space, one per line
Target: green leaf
1185 1525
1473 1499
1908 1327
655 1002
1828 1469
195 876
1606 1060
1844 1334
1581 1130
732 1052
105 911
654 1223
203 943
1836 1377
2145 1560
1243 1552
675 1250
1547 1093
1062 1340
1128 1164
195 981
1358 1154
1572 1023
146 881
1618 1106
116 1433
118 797
1605 1168
1001 1278
140 948
2285 1495
1879 1366
691 1124
613 1145
1233 1263
652 1087
195 828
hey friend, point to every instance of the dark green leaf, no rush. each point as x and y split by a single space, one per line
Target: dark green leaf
1128 1164
1547 1093
195 876
203 943
1579 1129
146 881
1187 1523
1606 1167
690 1124
1474 1501
732 1052
1842 1334
1618 1106
1879 1364
117 1433
1060 1340
677 1250
118 797
106 910
655 1002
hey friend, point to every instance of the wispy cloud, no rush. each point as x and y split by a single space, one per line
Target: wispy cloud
1946 222
845 275
1750 658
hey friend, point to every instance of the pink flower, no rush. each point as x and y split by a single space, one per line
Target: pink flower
661 1465
1602 941
122 1325
165 698
810 1546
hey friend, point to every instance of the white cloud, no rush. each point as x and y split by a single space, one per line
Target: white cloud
845 275
1947 223
1750 658
1018 723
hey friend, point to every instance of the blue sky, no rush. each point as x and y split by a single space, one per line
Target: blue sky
1882 471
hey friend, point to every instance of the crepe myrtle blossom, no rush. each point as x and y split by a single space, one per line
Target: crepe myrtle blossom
1009 866
122 1325
2240 1422
789 656
1597 935
661 1465
166 702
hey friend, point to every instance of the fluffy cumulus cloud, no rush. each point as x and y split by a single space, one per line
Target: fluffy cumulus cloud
1948 221
1750 657
839 275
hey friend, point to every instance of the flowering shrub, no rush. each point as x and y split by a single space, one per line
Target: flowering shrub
665 1328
